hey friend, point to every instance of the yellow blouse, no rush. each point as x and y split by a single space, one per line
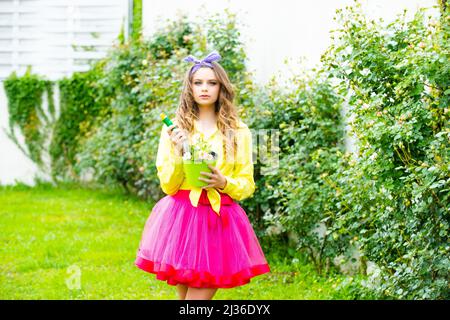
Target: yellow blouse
237 171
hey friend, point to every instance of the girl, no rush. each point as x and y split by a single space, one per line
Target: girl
200 239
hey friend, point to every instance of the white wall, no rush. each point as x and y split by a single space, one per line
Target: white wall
276 30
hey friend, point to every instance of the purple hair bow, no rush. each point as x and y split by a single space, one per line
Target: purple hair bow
213 56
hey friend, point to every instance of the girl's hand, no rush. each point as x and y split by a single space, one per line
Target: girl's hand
177 137
216 178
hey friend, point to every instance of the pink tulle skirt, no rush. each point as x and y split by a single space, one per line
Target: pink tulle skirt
183 244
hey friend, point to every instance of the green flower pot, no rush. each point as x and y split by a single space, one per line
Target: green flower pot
192 171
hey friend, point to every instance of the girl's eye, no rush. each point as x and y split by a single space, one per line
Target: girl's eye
213 83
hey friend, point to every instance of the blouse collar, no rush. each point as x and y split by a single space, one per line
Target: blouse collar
196 127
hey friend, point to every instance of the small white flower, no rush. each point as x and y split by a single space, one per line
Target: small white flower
365 72
196 137
187 156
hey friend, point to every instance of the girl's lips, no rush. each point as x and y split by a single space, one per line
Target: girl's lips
204 97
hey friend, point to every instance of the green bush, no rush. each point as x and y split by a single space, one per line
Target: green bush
295 197
394 201
81 101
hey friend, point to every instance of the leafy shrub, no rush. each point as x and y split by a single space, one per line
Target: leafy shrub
395 195
81 101
295 197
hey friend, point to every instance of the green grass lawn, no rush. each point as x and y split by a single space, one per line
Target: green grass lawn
80 243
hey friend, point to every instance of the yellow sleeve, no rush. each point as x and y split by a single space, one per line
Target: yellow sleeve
240 184
169 165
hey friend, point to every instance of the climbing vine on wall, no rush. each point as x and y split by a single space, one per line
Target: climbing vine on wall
25 97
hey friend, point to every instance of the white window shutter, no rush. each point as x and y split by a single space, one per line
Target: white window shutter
50 35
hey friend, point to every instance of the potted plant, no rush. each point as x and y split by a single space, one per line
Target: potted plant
197 160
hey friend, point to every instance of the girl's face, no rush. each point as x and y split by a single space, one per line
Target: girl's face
205 83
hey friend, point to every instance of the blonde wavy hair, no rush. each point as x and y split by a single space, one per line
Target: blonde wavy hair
226 111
